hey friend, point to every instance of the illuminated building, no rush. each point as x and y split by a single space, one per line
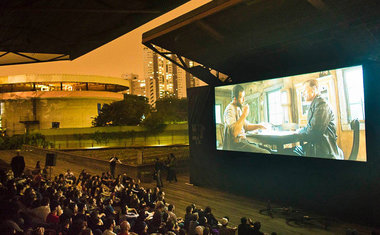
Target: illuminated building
137 84
163 78
30 102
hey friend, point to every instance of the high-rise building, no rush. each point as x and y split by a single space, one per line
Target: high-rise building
164 78
137 84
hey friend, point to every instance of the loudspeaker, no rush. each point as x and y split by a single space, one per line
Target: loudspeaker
51 159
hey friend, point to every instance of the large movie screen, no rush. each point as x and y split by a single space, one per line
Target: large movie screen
317 114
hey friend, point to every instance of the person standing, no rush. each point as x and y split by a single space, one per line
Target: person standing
113 161
157 172
172 174
18 165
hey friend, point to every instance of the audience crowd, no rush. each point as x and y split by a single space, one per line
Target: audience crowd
91 204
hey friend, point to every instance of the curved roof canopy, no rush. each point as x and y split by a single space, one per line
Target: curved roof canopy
45 30
241 38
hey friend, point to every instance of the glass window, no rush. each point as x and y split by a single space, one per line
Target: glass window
218 113
353 83
275 114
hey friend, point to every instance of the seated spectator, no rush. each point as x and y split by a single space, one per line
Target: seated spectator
210 218
171 228
77 227
95 222
82 209
64 227
256 229
140 227
193 224
42 211
172 216
69 177
55 212
188 217
128 214
86 231
157 217
225 229
109 226
124 228
202 224
245 227
108 209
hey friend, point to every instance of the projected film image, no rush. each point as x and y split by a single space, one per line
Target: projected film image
317 114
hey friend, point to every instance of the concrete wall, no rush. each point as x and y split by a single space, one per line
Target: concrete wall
80 138
144 172
70 113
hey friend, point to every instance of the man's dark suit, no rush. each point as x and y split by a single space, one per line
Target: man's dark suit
320 131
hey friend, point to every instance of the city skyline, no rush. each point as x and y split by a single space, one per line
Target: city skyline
123 55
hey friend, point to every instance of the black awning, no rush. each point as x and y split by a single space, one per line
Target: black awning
243 38
36 31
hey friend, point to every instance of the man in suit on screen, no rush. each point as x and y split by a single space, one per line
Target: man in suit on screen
320 131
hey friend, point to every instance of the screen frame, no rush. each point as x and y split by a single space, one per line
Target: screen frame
302 71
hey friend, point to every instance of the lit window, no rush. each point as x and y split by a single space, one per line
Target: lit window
275 114
218 113
353 83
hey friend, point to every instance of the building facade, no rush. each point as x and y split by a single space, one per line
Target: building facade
35 102
163 78
137 84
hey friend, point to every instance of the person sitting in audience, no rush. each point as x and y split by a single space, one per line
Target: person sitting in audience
124 228
69 177
193 224
128 214
172 216
225 229
211 218
256 229
188 217
245 226
157 217
202 224
55 212
109 225
54 205
95 222
43 210
82 209
140 227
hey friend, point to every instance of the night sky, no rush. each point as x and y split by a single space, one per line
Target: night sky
120 56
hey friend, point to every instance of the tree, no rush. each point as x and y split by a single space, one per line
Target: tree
129 111
154 123
172 109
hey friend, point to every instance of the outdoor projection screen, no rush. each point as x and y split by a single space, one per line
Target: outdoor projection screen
318 114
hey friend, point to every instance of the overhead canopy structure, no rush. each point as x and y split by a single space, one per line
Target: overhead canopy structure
241 38
38 31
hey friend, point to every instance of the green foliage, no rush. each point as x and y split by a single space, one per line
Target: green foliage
131 110
128 112
100 137
154 123
17 141
105 137
172 110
